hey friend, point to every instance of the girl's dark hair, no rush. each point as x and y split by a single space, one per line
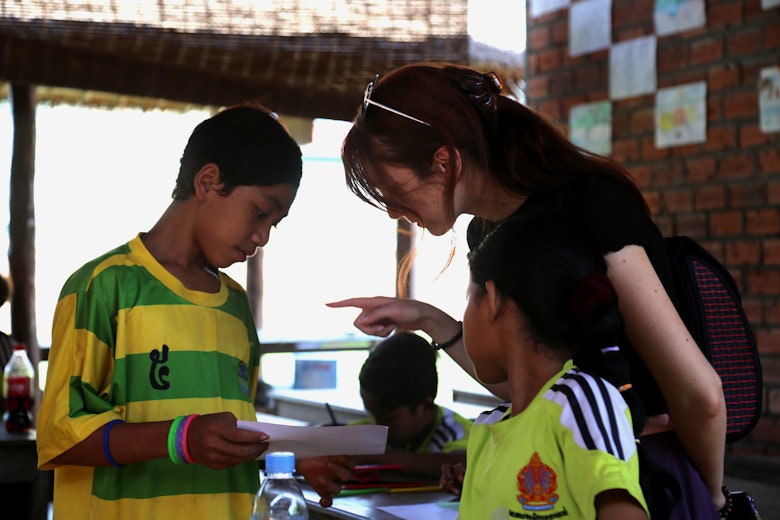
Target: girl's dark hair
552 270
463 109
400 371
248 144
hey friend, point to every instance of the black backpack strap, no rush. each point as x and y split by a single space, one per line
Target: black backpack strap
711 307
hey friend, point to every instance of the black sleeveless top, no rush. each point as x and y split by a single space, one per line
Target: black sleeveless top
614 219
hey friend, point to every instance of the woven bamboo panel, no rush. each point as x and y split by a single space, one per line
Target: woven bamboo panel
304 58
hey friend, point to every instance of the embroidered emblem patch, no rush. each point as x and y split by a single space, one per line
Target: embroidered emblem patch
537 483
243 377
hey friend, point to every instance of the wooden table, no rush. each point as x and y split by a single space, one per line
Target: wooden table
367 507
21 483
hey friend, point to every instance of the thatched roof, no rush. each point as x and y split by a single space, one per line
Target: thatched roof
301 58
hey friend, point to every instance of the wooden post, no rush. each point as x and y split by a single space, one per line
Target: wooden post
21 255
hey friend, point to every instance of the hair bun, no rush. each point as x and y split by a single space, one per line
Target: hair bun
592 292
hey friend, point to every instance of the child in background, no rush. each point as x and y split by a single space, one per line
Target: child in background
398 385
565 444
155 353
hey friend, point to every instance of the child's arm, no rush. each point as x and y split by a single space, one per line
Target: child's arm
213 441
618 504
326 475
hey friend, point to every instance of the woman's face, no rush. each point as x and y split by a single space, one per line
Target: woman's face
427 202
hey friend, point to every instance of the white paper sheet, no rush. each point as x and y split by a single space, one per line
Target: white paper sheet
681 115
632 68
673 16
769 100
317 441
590 126
590 26
540 7
416 512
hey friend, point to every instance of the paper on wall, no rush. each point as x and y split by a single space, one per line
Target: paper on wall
590 26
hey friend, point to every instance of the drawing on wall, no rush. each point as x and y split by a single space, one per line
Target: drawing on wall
672 16
769 4
632 68
540 7
681 115
590 126
769 99
590 26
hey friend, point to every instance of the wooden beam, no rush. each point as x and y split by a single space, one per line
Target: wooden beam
21 255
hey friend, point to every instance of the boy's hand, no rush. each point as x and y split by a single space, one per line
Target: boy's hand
215 441
452 478
326 475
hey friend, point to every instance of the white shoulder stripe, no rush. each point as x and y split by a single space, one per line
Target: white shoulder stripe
595 412
495 415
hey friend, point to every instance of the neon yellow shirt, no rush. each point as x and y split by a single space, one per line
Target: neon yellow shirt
573 441
131 342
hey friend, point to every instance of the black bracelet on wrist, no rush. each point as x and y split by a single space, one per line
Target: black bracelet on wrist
450 342
725 511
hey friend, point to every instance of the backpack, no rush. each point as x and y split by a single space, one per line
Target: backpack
710 305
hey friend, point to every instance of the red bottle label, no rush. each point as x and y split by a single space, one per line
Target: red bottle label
18 387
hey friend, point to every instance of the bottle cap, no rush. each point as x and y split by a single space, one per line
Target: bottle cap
20 346
280 462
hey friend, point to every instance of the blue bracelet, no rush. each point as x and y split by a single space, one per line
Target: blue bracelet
109 458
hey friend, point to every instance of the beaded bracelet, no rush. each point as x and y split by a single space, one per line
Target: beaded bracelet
450 342
172 449
109 458
725 511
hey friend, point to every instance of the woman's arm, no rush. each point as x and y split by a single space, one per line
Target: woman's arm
690 385
381 315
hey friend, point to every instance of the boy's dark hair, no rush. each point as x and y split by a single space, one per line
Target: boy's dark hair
400 371
248 144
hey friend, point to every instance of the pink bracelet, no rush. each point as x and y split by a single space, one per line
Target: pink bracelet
185 430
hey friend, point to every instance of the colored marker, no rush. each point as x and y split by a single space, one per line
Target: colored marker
418 489
362 491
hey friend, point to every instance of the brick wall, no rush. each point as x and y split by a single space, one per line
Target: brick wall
725 192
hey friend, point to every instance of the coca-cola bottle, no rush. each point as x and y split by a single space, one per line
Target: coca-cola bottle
18 391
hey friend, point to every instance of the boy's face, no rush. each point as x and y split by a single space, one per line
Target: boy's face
405 424
231 228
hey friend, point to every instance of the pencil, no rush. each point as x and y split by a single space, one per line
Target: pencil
333 420
418 489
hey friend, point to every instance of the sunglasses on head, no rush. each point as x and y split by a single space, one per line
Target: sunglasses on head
368 101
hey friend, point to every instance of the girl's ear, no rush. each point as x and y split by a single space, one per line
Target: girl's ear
207 179
494 300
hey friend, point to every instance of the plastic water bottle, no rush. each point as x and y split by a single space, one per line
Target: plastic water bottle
280 496
18 391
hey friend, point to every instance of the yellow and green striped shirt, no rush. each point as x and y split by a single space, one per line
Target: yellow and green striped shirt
130 342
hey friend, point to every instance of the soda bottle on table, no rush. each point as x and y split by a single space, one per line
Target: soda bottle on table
18 391
280 496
